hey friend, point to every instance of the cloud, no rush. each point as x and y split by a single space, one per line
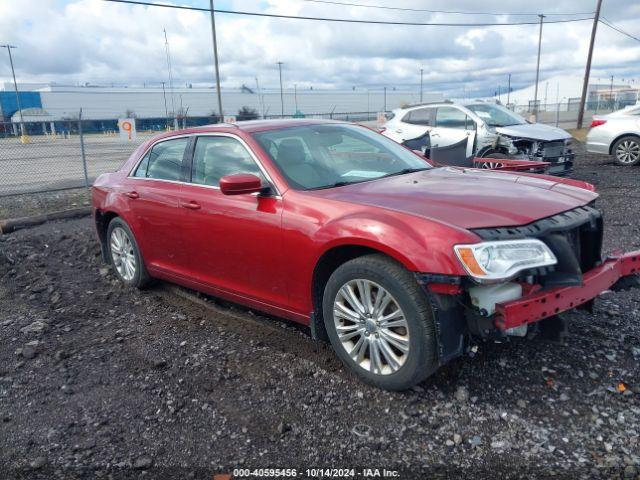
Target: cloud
78 41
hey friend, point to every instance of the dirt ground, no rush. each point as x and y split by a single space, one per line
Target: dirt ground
101 382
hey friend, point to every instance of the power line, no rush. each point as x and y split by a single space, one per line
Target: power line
457 12
617 29
346 20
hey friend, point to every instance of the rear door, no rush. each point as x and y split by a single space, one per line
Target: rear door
153 192
235 241
451 126
415 123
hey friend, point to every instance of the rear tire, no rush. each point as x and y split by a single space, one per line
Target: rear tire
626 151
125 256
389 340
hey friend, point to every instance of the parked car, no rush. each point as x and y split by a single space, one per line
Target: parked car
492 130
617 134
397 263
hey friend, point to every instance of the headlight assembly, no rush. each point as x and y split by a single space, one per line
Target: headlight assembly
490 262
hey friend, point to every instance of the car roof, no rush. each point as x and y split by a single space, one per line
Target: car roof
444 103
251 126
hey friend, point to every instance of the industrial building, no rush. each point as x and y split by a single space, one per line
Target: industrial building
58 102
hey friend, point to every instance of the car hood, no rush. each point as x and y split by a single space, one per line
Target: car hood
467 198
534 131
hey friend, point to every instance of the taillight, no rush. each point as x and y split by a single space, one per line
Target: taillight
597 123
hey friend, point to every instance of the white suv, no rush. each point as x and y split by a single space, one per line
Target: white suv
493 132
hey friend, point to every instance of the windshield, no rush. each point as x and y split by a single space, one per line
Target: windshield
496 115
324 156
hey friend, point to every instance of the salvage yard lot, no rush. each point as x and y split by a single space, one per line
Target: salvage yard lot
95 379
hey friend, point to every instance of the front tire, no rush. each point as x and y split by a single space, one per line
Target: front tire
626 151
125 256
380 323
491 165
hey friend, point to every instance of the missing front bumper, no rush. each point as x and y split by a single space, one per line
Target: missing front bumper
543 304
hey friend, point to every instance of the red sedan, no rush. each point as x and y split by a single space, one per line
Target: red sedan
397 263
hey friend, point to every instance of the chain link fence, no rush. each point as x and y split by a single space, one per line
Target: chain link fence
71 153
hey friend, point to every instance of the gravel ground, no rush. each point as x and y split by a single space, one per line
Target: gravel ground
101 382
24 205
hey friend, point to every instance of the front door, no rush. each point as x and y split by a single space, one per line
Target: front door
452 125
235 241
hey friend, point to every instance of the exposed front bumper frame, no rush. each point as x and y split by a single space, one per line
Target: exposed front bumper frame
542 304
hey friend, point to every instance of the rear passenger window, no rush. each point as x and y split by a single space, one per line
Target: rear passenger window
421 116
163 161
217 156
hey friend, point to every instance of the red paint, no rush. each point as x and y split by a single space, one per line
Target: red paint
538 305
262 250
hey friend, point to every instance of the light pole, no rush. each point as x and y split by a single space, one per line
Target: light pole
166 111
215 59
385 100
23 136
535 96
421 72
281 94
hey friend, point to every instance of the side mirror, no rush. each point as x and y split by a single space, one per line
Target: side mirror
240 184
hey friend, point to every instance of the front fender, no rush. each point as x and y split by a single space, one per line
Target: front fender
420 245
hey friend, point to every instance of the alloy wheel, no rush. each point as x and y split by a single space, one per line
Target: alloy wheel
371 326
122 253
491 165
628 151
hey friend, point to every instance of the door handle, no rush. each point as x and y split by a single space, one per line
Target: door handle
132 195
191 205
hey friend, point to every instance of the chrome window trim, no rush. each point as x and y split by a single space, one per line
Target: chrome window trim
272 184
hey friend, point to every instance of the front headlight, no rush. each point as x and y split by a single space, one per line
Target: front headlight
489 262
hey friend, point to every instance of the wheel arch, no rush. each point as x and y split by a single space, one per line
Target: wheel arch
332 258
102 220
615 140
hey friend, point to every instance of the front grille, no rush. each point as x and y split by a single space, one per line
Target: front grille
575 237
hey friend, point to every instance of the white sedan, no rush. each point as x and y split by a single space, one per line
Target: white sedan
617 134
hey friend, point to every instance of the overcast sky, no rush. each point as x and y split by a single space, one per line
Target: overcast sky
78 41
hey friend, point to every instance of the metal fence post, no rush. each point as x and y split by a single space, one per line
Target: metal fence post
84 157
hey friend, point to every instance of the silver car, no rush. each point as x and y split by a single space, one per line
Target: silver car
492 131
617 134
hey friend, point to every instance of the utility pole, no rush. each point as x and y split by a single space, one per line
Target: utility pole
421 72
508 90
166 111
611 93
166 45
587 71
281 94
215 58
535 96
385 99
23 136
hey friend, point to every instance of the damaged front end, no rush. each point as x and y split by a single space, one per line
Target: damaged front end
557 153
534 296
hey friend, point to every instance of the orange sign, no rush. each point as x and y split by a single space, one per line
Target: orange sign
127 128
